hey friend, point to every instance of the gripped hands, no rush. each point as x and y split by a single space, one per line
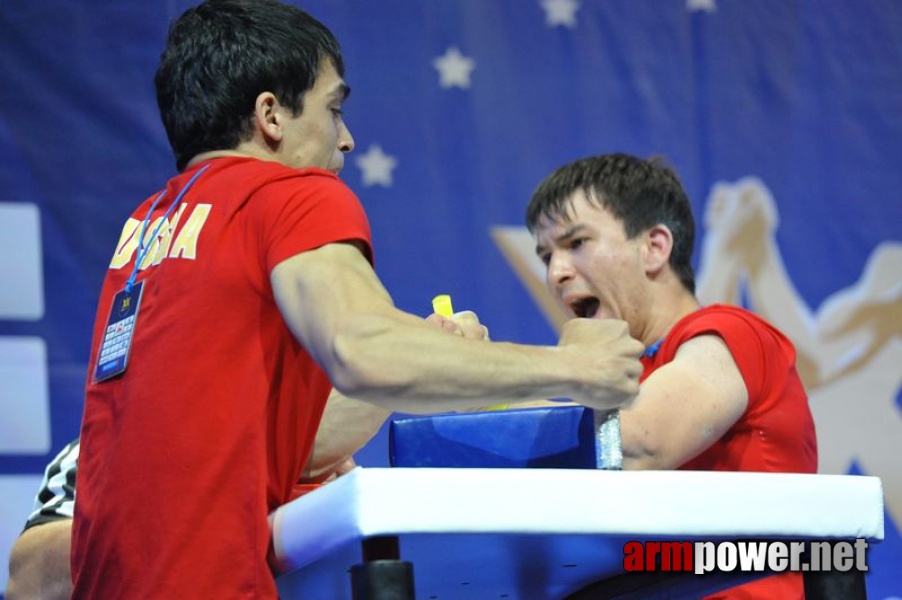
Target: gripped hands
606 360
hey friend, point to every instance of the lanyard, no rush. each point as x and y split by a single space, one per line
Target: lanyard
142 247
653 349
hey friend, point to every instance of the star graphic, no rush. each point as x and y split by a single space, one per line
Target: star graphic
560 12
697 5
454 68
376 166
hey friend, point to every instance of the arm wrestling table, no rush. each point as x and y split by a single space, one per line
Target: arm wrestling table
546 534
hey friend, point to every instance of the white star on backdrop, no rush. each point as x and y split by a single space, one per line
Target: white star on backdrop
454 68
560 12
705 5
376 166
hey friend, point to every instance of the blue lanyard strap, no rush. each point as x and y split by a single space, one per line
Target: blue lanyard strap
653 349
142 247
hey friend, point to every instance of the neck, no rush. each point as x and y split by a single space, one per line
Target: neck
664 313
203 156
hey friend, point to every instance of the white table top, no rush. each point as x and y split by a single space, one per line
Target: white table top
535 534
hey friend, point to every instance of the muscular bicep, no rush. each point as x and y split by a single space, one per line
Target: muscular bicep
316 290
683 407
328 292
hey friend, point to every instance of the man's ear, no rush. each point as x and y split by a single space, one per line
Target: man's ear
268 117
658 246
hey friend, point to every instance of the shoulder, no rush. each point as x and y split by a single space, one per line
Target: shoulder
310 180
255 177
302 193
293 211
757 347
732 323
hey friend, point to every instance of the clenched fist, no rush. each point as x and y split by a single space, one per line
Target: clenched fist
608 359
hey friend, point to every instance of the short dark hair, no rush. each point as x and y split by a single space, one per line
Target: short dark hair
639 193
220 55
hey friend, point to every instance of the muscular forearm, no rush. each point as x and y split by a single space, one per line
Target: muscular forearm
341 314
412 368
39 563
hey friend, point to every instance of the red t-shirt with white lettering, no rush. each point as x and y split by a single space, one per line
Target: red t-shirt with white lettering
184 455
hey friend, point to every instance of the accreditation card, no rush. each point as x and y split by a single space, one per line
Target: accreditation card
117 338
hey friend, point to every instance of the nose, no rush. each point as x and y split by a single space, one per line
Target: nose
559 270
345 139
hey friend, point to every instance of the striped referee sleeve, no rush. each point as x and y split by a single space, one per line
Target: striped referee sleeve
56 498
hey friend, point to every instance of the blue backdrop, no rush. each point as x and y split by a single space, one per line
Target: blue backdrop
783 118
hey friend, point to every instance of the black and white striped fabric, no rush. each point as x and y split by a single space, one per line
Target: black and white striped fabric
56 498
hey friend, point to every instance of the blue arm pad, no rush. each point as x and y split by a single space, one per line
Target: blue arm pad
554 438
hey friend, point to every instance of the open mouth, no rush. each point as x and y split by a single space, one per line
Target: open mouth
585 308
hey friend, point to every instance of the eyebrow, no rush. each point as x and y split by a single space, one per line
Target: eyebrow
567 234
341 91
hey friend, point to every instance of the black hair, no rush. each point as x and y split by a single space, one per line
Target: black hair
639 193
220 55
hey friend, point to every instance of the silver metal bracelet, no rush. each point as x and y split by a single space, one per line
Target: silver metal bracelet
608 445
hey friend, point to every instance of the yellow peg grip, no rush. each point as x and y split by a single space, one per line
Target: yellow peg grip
441 305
